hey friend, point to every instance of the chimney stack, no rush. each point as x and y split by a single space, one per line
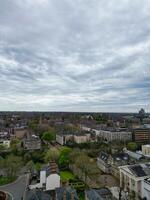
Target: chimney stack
72 195
65 195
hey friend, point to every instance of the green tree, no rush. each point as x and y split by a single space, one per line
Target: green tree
64 156
82 162
49 135
30 166
11 165
38 167
132 146
52 154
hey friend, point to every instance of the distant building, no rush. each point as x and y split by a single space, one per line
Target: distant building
5 143
20 132
115 135
98 194
82 138
79 137
31 142
133 178
63 138
141 135
146 150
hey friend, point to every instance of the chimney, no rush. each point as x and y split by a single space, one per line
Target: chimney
72 195
65 195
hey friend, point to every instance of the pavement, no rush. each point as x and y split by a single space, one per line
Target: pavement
17 188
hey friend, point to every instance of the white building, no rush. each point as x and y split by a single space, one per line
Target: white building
5 143
82 138
146 150
133 178
115 135
111 134
146 188
49 178
63 138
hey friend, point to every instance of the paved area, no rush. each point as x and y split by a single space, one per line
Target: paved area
17 188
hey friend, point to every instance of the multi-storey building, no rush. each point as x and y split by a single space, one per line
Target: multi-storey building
115 135
141 134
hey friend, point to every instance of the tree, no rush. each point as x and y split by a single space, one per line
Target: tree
38 167
132 146
11 165
64 156
30 166
49 135
82 162
52 154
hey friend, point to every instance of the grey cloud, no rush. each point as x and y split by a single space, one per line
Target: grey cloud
74 55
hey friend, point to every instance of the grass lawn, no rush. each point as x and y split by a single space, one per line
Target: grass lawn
66 176
6 180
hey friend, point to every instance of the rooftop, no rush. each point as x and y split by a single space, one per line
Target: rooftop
99 194
138 170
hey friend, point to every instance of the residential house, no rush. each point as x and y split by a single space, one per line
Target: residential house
67 193
135 179
98 194
36 194
109 163
31 142
49 178
103 164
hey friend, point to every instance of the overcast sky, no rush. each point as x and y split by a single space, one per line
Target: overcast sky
75 55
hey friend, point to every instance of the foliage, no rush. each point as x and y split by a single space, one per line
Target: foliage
52 154
64 156
132 146
33 125
38 167
66 176
6 180
38 156
49 135
14 145
11 165
30 165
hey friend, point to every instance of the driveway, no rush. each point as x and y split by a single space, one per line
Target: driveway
17 188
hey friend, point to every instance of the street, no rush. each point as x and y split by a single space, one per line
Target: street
17 188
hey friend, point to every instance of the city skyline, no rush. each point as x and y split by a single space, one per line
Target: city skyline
88 56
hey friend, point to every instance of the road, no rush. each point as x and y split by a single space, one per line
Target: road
17 188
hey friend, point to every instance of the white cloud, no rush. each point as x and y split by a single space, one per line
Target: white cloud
74 55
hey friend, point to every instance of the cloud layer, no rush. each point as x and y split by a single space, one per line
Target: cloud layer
75 55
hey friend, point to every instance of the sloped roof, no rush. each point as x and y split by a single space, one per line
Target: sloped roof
37 195
68 191
99 194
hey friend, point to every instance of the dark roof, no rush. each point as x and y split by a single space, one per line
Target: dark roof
140 170
120 157
60 192
99 194
37 195
104 156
